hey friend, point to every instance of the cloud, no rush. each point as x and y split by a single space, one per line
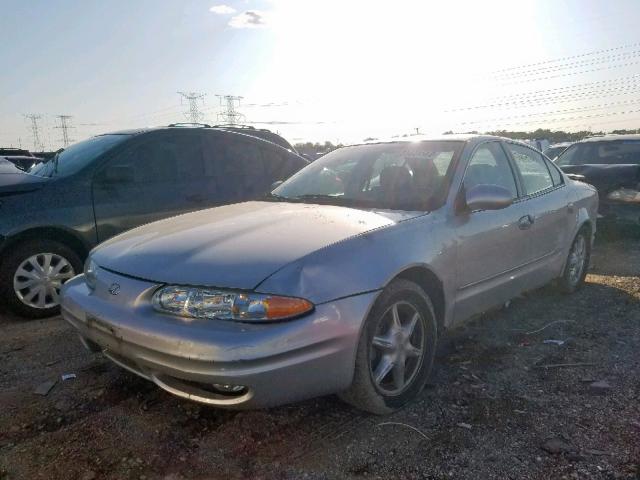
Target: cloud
249 19
222 9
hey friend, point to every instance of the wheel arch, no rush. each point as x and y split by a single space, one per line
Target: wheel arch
426 279
59 234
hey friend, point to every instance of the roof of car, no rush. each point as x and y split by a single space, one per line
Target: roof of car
460 137
235 130
610 137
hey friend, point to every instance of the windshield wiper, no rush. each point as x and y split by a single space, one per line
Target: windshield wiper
317 196
275 197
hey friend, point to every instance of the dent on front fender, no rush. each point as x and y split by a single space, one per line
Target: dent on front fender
365 263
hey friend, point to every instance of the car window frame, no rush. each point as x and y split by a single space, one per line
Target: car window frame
514 172
142 139
525 196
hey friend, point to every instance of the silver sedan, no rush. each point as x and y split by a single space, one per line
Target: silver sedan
341 280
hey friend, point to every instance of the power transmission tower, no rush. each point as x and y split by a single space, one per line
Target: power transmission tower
194 114
230 115
64 126
37 144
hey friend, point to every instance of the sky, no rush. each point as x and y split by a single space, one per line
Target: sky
316 70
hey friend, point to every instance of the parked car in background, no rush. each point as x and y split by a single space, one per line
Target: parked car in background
556 149
52 215
23 159
10 152
611 163
343 280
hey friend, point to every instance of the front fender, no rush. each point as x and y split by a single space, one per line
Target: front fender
366 263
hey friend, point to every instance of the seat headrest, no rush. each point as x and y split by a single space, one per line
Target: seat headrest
394 178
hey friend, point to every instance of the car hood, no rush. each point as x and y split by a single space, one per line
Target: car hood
235 246
14 180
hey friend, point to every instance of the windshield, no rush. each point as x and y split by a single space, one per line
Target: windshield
601 153
402 175
78 155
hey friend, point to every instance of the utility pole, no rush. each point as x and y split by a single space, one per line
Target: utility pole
37 144
64 126
194 114
230 115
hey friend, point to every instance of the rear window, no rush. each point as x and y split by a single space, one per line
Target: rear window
614 152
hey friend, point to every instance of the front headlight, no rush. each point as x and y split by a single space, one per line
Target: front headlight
90 270
626 195
227 305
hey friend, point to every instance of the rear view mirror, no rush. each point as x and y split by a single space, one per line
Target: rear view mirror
118 174
488 197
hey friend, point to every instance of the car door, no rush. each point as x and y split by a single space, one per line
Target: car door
548 206
155 179
492 244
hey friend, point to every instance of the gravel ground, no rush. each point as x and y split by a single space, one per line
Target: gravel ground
490 410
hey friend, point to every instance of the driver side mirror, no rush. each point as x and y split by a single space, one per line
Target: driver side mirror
487 197
118 174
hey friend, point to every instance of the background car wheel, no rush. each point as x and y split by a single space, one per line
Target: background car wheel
32 274
577 264
396 350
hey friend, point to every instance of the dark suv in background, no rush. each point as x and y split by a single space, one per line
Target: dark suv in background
611 163
52 215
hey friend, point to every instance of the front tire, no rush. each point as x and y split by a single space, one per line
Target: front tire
32 274
396 350
577 263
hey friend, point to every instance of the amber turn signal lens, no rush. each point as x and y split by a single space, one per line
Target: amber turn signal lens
283 307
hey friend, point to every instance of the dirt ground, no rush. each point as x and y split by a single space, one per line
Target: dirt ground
490 410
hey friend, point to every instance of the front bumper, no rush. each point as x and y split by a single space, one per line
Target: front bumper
275 363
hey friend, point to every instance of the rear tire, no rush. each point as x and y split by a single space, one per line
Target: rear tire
396 350
31 275
577 264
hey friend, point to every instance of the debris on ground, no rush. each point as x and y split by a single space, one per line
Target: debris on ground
45 387
68 376
557 445
600 387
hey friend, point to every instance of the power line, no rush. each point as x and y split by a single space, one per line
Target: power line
554 99
554 112
64 126
230 115
571 57
570 66
194 114
37 144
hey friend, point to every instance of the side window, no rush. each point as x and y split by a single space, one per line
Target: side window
533 169
159 160
489 165
555 174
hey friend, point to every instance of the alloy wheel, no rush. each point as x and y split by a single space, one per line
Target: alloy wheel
397 348
577 259
38 279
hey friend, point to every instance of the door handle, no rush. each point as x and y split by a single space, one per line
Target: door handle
525 222
570 208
